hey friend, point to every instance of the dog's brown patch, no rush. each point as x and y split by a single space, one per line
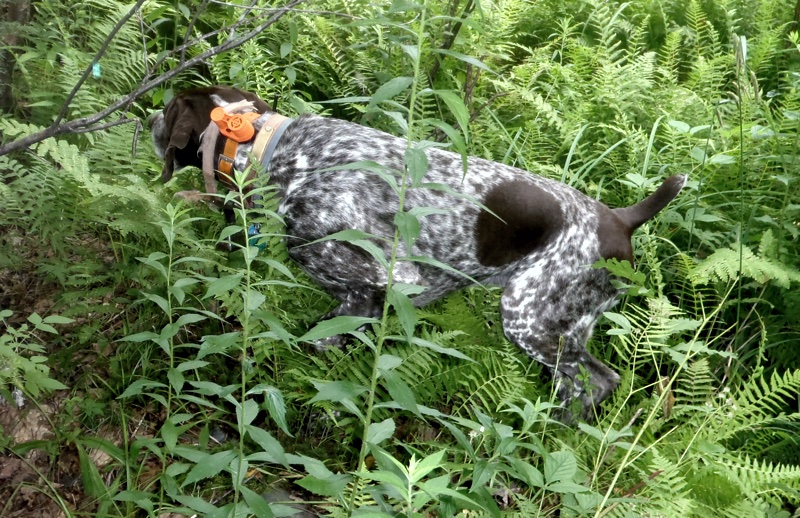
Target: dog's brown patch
614 237
523 217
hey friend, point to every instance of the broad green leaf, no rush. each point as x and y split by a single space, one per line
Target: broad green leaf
559 466
37 322
387 477
592 431
191 365
389 362
273 399
530 474
158 300
420 342
466 59
408 226
222 285
426 465
336 390
400 392
92 481
456 106
218 344
416 164
679 126
254 300
48 384
209 388
250 412
56 319
133 495
722 159
314 467
438 264
286 48
379 432
274 325
209 466
269 445
412 51
330 486
405 311
390 89
625 326
137 387
195 503
258 506
169 432
176 379
335 326
698 154
567 486
140 337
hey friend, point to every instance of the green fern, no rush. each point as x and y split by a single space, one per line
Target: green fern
724 266
694 390
668 491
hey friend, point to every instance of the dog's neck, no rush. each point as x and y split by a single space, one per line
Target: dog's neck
234 155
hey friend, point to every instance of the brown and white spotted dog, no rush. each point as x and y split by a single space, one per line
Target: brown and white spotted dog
538 238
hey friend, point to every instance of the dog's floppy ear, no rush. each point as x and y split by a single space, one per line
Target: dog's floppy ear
179 123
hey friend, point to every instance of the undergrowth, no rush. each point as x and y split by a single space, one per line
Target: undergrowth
180 379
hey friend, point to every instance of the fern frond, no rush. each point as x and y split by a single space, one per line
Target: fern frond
693 389
759 404
667 490
768 480
723 266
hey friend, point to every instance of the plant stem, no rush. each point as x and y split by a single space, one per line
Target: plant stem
390 277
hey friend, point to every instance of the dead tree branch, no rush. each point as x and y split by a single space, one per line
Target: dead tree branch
84 123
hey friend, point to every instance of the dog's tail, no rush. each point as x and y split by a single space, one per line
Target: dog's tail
635 215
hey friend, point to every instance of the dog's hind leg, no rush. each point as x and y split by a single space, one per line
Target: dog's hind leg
549 312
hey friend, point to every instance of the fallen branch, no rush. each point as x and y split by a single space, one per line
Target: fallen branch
84 124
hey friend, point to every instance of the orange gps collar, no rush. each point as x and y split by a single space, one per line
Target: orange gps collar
238 127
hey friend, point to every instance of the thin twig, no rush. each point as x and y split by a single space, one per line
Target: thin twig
107 125
477 112
189 29
448 43
84 122
242 18
147 71
111 35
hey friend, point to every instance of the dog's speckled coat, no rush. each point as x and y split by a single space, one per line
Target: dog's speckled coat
539 239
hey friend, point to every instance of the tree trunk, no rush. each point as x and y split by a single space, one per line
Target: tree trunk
13 15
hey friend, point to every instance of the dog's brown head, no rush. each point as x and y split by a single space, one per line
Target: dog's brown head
176 130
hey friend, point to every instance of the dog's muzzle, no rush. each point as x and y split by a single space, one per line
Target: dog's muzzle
155 123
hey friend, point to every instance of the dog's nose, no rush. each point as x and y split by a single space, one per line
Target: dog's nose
152 118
